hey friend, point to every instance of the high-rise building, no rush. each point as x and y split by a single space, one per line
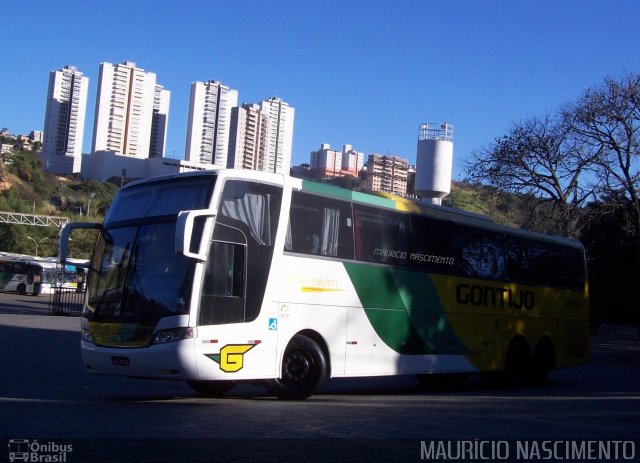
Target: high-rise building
249 139
281 116
352 161
387 173
208 130
124 110
64 120
161 99
328 162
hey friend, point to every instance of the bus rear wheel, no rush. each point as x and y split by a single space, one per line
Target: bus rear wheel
211 388
304 369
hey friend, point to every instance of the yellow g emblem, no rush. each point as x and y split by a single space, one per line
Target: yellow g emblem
231 357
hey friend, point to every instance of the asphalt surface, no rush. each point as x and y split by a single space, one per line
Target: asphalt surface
46 395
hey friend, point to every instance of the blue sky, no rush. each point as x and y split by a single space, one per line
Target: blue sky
364 73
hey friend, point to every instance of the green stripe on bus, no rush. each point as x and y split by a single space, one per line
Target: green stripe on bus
404 310
335 192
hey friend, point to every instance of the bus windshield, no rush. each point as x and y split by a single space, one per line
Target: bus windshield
136 277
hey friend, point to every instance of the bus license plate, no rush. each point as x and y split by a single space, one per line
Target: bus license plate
120 361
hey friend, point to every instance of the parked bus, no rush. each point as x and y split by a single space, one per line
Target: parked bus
226 276
20 275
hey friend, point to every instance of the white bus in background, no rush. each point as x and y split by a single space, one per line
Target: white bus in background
68 276
26 274
226 276
20 274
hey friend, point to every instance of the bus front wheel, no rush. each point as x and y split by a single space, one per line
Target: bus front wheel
304 369
211 388
21 289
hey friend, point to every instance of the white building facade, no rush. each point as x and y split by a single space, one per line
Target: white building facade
208 130
124 110
278 153
64 120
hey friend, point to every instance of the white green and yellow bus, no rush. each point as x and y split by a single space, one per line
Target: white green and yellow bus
230 276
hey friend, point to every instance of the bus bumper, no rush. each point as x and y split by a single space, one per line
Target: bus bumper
173 360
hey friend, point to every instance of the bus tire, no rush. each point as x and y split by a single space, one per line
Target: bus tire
304 369
518 363
211 388
544 359
21 289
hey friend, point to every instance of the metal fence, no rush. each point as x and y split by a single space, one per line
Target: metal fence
66 301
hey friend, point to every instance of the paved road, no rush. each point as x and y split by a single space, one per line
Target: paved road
46 395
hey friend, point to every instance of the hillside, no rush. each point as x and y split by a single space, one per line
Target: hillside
24 187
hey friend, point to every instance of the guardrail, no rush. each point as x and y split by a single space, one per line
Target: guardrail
66 301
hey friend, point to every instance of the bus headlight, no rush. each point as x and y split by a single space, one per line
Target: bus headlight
86 335
174 334
85 331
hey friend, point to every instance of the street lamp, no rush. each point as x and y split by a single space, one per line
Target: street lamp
34 242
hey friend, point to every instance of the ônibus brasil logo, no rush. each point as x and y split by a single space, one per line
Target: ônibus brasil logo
34 451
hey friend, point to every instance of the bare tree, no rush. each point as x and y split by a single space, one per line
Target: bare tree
607 120
539 157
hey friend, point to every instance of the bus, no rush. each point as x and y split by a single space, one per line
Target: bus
228 276
20 274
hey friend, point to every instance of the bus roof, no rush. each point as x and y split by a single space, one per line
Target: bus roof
377 199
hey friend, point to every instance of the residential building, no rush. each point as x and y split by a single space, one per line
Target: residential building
36 136
159 121
280 140
124 110
24 143
387 173
64 120
249 138
208 130
352 161
328 162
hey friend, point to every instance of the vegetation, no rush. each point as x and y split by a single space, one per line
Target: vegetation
26 188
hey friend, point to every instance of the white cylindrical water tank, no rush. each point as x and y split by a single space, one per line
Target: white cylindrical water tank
434 161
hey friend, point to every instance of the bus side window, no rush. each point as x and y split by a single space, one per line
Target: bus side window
319 226
481 254
382 236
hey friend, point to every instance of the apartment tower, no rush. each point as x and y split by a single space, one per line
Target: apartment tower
64 120
388 174
124 110
249 139
281 115
328 162
208 130
159 120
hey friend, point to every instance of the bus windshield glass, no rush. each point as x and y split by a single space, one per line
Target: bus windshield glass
135 274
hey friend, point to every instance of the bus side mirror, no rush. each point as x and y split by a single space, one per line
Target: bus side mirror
64 237
184 232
